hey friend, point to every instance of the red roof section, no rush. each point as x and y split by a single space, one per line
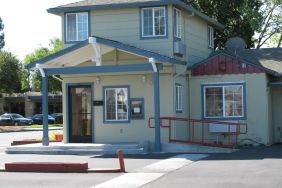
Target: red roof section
224 64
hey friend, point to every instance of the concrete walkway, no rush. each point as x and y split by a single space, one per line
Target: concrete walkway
152 172
59 148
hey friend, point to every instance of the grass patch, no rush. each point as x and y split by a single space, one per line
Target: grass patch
40 126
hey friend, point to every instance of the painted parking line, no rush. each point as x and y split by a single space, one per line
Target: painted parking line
151 172
173 163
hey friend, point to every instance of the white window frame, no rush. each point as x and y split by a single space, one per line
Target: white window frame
116 104
177 17
76 22
179 98
210 37
223 86
153 21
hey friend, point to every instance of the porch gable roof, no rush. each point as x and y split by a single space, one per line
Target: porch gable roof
111 43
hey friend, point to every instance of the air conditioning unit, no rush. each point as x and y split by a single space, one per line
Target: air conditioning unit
179 48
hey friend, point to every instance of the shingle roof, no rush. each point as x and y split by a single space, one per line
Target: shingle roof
87 5
268 59
103 2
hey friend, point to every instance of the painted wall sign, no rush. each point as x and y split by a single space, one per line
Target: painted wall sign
98 103
137 108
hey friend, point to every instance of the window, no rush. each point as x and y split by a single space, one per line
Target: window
76 26
224 101
153 22
116 104
210 36
177 23
179 100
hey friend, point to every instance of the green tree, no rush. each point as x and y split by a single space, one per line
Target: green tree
10 73
35 76
2 42
271 30
240 17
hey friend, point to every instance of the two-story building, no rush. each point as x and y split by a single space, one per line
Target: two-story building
125 61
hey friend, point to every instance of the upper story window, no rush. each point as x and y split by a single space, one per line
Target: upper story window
153 21
76 26
177 23
210 36
179 100
224 101
116 104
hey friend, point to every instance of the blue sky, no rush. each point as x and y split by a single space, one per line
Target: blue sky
28 25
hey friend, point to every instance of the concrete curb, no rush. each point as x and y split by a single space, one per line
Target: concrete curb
45 167
62 167
32 129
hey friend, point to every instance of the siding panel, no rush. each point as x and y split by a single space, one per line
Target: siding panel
196 38
124 25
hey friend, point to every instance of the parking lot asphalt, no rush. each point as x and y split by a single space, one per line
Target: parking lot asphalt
251 167
133 164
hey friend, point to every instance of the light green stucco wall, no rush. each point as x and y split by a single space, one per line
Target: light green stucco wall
124 25
195 38
135 130
257 106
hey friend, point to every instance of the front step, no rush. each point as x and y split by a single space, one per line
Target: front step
76 149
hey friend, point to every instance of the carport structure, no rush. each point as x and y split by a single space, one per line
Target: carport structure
69 61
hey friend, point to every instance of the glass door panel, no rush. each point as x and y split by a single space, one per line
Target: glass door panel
80 114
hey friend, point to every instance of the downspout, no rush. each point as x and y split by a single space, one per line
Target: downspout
45 139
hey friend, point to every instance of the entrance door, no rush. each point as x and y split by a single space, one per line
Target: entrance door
276 114
80 114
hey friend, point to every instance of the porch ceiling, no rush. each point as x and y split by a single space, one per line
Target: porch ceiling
78 56
92 50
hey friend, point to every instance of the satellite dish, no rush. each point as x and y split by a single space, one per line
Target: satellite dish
235 44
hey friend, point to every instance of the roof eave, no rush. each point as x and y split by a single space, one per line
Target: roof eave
200 14
57 54
58 10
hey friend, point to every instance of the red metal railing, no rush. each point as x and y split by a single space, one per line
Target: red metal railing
205 132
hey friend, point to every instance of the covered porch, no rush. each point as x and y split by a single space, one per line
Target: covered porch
84 66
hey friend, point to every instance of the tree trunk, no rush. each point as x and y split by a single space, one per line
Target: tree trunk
279 41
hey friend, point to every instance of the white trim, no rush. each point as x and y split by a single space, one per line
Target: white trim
153 23
76 23
153 63
177 30
179 97
40 68
210 36
223 86
116 104
223 83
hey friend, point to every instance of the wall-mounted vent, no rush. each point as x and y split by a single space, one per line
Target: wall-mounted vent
179 48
